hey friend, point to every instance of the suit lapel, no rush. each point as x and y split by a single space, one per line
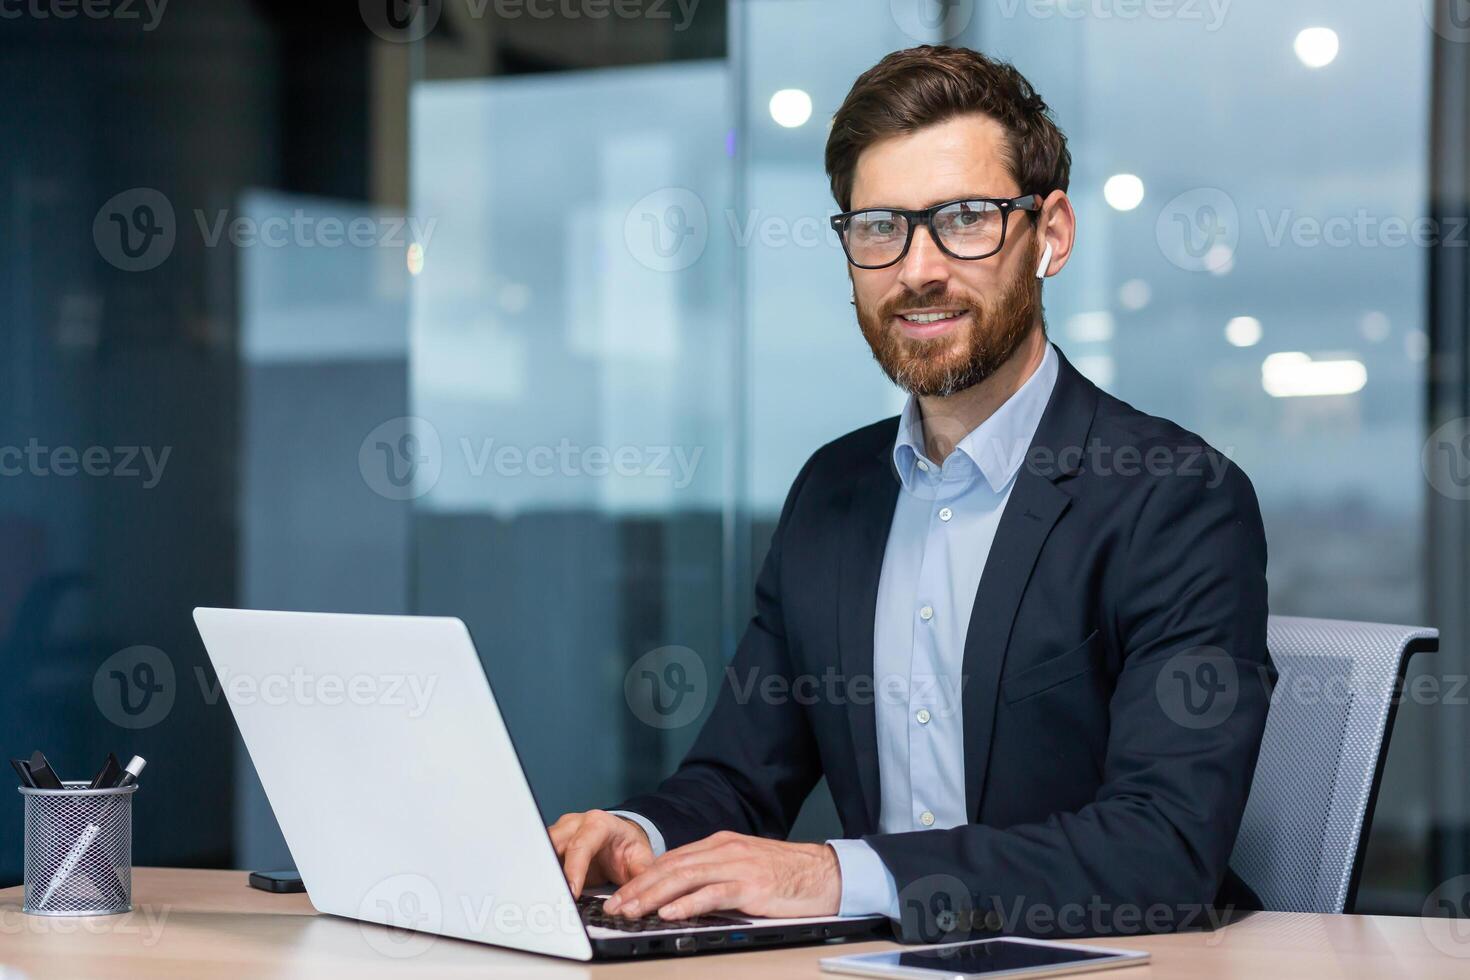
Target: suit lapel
1035 504
865 537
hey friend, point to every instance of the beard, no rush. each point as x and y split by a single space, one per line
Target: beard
942 366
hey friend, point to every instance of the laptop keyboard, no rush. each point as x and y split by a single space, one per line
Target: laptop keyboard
590 907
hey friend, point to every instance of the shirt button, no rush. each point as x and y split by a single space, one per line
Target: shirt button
945 513
924 466
923 716
926 613
926 818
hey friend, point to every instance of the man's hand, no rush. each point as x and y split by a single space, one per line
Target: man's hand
732 871
597 847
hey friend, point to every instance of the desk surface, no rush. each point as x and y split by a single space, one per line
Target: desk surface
209 923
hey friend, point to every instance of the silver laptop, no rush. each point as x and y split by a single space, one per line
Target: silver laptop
389 768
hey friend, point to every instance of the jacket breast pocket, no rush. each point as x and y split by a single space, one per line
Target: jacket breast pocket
1054 670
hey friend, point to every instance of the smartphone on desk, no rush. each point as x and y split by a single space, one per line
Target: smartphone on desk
987 958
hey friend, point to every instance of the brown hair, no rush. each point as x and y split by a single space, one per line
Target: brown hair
930 84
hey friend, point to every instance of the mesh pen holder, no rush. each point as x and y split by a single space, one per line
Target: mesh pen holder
79 850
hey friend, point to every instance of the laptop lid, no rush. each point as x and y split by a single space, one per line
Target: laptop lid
384 756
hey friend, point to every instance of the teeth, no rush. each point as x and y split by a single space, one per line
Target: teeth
928 317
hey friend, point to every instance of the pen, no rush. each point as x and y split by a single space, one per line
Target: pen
69 863
130 772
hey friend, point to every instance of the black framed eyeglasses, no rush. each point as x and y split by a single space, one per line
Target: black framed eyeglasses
970 228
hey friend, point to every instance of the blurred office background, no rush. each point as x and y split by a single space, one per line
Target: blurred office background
527 312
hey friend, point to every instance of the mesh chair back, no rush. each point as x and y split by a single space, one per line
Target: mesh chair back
1302 839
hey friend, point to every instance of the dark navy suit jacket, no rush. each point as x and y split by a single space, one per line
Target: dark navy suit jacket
1115 679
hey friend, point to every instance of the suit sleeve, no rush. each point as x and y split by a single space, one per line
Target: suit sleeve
755 760
1186 715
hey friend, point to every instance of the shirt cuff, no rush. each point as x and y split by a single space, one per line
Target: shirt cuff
868 887
655 839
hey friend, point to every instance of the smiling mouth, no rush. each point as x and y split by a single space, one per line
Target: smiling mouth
931 317
928 323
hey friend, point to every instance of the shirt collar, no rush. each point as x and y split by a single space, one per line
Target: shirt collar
996 446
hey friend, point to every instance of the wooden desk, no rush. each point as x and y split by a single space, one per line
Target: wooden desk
210 924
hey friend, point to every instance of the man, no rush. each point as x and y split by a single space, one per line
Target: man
1044 611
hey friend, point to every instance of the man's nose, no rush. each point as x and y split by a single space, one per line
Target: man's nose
925 268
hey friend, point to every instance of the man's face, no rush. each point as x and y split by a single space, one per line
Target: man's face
994 302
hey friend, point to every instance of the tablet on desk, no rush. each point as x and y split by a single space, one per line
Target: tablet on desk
988 958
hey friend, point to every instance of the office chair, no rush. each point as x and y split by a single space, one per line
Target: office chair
1305 830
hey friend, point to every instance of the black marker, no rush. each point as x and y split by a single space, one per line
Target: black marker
130 773
107 775
42 774
24 772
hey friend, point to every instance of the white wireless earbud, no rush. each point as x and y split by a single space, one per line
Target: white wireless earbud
1045 261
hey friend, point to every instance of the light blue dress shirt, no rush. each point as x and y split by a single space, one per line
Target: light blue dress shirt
943 526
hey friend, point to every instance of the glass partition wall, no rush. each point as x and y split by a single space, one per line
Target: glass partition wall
631 325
